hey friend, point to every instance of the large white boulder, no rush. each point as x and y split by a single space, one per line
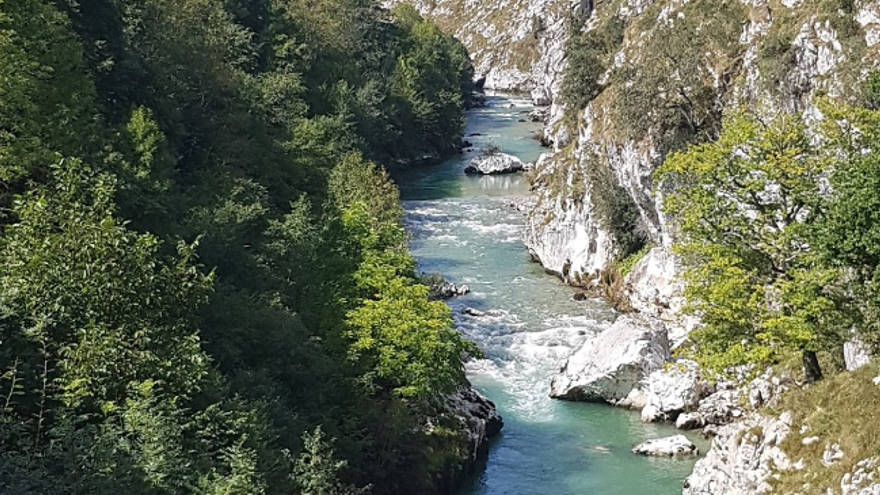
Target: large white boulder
674 446
673 390
495 163
611 366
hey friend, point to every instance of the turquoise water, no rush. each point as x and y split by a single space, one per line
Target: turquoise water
465 228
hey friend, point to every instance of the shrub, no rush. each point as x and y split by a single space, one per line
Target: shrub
588 53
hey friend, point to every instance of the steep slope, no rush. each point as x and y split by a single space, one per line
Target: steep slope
665 82
516 45
785 54
635 81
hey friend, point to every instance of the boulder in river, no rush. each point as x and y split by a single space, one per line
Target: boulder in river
441 289
689 421
674 446
472 312
611 366
495 163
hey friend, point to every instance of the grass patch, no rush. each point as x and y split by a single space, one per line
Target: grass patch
843 409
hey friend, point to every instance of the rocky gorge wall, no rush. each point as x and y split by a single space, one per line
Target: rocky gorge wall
516 45
783 53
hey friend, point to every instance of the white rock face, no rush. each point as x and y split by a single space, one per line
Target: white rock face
863 480
742 458
495 163
856 354
563 232
673 390
674 446
516 45
654 288
611 366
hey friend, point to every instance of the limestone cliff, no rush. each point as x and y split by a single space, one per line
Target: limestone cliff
765 54
516 45
659 75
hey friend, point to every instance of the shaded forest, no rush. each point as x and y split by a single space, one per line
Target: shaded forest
205 282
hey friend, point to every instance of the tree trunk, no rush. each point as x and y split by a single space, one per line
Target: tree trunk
812 370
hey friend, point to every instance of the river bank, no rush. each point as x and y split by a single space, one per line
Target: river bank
469 228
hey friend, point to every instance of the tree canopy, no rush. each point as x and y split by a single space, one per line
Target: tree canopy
206 286
745 205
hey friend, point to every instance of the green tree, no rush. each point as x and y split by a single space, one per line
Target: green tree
744 205
316 471
45 97
848 234
406 342
93 299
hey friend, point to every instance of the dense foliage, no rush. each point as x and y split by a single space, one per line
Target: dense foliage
744 203
778 229
206 286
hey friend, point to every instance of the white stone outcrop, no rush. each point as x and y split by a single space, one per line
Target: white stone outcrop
611 366
743 457
856 354
674 446
863 479
516 45
495 163
673 390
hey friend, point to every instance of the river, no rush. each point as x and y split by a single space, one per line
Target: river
466 229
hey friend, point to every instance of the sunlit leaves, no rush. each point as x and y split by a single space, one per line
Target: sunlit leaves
744 205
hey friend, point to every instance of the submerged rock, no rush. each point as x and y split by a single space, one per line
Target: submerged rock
495 163
447 290
674 446
611 366
473 312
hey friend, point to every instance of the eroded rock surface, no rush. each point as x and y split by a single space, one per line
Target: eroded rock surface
479 421
742 458
675 389
611 366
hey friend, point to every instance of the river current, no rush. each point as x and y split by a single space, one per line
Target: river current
466 229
